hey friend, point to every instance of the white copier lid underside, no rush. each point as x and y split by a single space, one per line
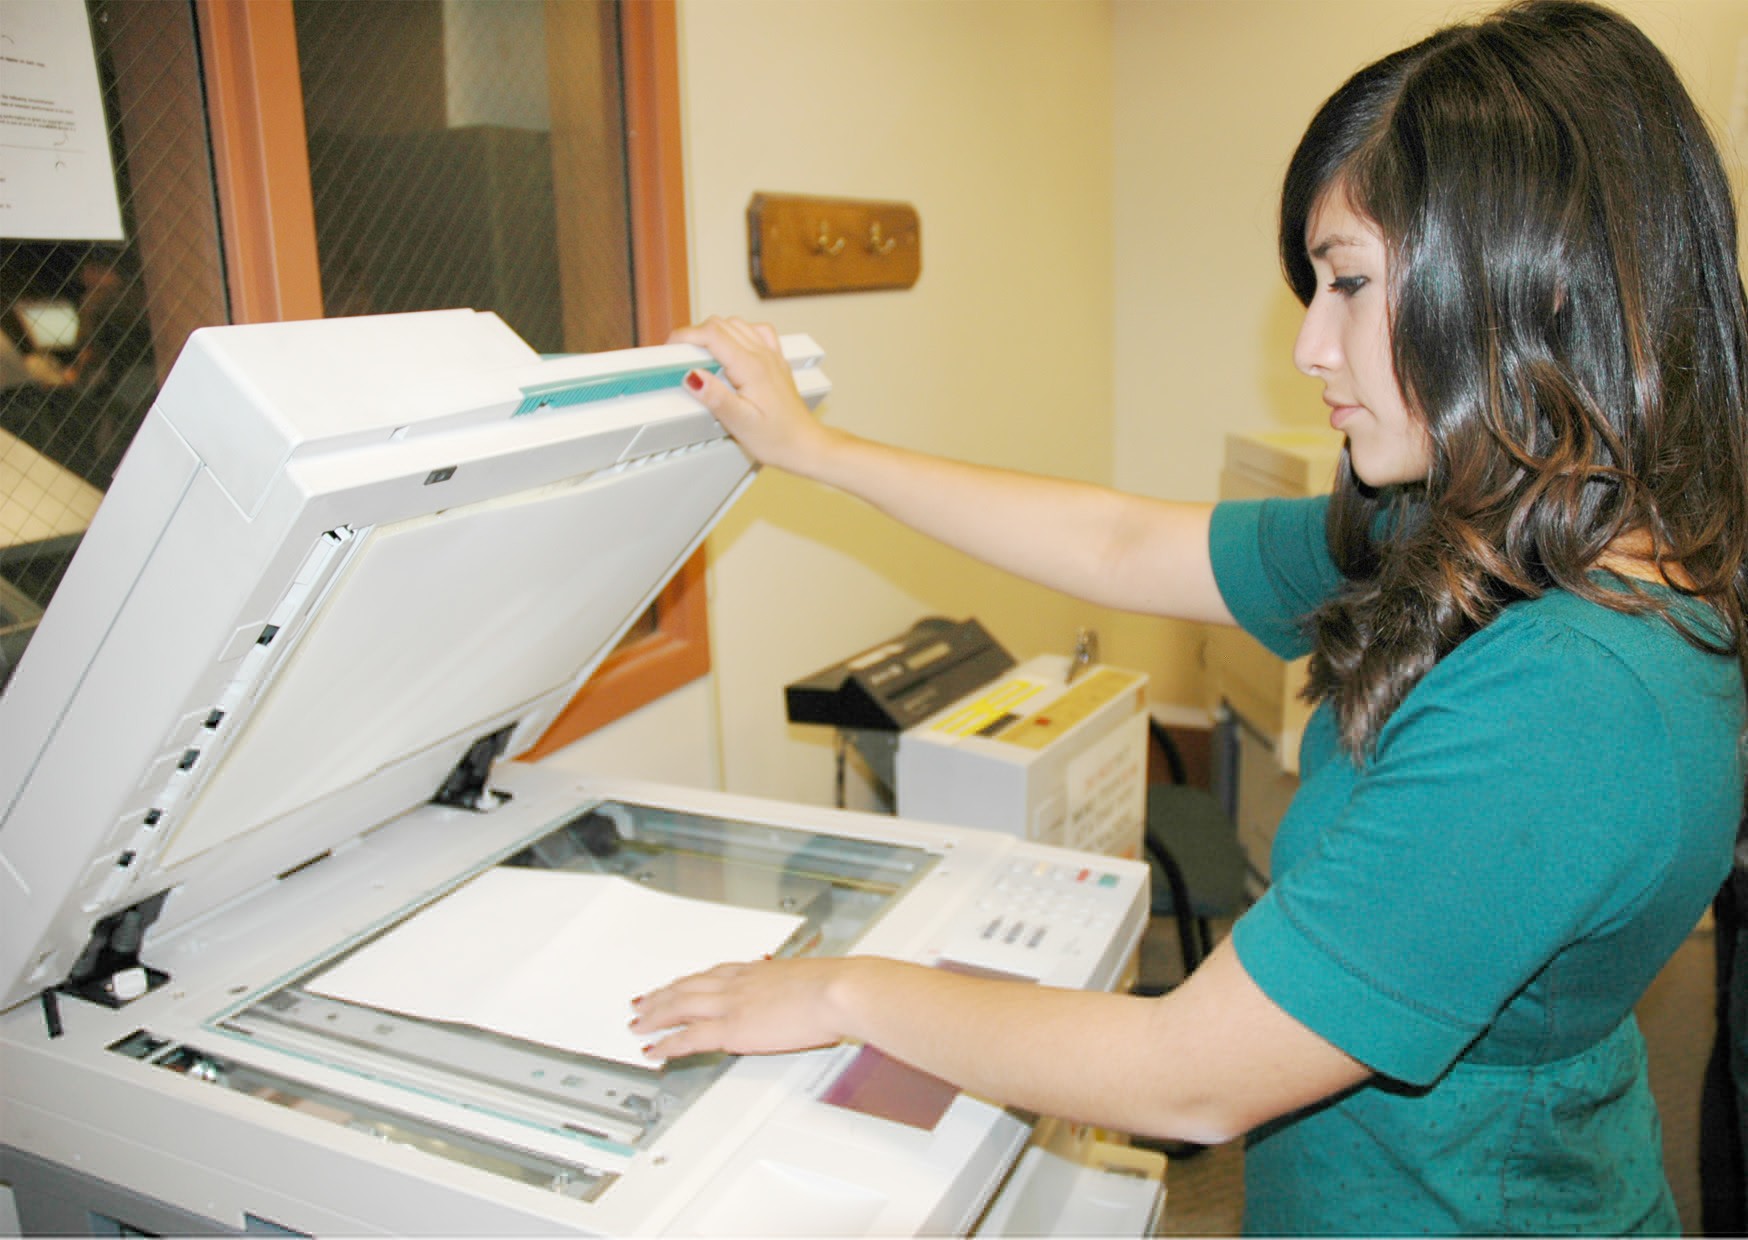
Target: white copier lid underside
338 555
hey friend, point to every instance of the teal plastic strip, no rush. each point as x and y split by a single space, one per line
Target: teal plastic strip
606 387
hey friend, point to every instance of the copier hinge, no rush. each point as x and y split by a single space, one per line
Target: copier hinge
465 786
109 971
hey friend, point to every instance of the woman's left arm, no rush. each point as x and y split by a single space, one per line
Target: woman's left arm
1205 1062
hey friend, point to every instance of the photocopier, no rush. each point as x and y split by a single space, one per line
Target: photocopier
349 570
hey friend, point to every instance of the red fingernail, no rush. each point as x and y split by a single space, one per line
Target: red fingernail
695 380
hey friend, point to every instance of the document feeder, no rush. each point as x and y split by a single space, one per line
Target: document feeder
348 571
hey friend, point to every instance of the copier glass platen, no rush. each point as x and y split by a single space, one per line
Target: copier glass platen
348 571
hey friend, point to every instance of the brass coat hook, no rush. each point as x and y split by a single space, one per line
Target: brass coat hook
823 244
879 244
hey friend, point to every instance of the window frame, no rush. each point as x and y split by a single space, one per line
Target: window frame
267 212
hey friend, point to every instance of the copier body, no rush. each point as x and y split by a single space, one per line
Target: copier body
348 571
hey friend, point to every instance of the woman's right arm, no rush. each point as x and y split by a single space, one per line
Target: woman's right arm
1109 548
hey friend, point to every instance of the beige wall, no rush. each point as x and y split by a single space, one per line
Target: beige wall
1099 297
992 118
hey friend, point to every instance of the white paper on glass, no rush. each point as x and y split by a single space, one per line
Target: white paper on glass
549 957
57 182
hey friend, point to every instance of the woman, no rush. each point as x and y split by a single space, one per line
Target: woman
1524 606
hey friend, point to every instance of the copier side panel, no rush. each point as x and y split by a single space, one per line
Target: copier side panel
73 830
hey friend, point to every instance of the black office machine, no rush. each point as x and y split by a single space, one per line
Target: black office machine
901 682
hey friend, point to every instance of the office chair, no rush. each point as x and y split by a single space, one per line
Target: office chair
1198 870
1197 863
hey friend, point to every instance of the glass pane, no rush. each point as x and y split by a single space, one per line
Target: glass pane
837 885
88 328
441 152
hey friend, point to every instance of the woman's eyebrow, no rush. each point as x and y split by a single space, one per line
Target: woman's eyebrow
1333 242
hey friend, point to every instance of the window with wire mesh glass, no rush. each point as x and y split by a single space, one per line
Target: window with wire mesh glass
461 153
471 153
88 327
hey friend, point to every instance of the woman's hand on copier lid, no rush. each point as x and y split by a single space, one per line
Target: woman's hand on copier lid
758 403
747 1009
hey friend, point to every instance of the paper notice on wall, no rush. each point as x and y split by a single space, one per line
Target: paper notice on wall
549 957
57 182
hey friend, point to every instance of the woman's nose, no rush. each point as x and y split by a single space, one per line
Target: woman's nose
1317 349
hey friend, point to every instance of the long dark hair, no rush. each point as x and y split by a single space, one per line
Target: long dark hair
1567 319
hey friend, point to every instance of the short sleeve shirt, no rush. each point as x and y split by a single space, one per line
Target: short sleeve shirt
1473 910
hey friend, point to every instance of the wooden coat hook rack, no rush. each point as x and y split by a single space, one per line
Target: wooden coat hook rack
798 244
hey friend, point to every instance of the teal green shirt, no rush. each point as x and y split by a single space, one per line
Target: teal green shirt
1473 912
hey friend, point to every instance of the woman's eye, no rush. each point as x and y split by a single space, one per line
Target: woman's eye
1347 286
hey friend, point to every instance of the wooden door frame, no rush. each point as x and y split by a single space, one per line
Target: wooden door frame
261 161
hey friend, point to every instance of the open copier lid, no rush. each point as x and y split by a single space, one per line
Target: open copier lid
345 565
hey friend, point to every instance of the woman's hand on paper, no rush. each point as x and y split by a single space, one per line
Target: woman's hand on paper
755 397
746 1009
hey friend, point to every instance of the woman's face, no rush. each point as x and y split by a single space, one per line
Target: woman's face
1345 342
